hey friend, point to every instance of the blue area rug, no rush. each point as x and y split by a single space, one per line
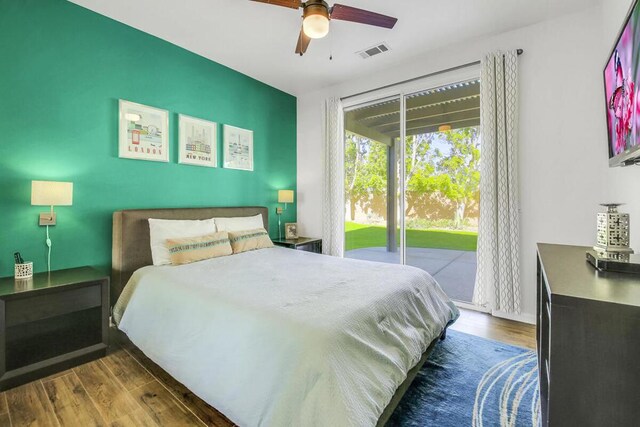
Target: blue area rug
472 381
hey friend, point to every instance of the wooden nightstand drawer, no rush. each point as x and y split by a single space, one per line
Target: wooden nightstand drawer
309 247
37 307
307 244
52 322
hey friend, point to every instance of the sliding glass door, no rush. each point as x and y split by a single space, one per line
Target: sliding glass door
442 179
372 171
412 174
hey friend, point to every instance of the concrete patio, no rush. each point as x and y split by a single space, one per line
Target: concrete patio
455 271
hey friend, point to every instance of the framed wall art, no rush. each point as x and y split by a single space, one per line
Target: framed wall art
291 230
238 148
198 142
143 132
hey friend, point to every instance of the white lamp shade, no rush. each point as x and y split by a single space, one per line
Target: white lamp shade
285 196
51 193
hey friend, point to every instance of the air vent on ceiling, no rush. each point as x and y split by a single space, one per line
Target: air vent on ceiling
373 51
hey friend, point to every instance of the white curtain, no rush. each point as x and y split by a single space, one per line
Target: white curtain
498 278
333 191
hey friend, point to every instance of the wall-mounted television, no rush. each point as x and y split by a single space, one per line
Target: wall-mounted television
621 84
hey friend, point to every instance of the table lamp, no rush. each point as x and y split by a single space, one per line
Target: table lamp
50 193
284 196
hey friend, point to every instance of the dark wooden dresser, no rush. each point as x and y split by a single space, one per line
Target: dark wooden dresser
588 341
51 322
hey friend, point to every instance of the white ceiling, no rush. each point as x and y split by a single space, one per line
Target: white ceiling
259 39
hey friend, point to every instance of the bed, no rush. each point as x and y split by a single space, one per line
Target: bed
276 336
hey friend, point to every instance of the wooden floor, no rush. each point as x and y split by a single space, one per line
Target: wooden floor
125 388
495 328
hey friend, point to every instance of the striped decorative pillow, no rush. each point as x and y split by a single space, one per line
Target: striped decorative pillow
248 240
192 249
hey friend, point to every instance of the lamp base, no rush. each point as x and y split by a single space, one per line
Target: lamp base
47 218
279 227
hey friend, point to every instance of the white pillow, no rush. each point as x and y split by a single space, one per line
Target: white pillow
239 223
162 229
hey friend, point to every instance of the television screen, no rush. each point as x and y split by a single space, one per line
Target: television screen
621 79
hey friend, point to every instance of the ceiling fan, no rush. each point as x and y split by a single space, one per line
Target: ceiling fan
316 15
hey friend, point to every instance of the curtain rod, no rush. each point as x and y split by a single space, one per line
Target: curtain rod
469 64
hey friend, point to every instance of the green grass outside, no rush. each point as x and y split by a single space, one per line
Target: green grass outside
366 236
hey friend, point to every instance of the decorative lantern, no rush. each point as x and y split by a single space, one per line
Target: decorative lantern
613 230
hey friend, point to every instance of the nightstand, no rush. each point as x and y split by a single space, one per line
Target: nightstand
51 322
308 244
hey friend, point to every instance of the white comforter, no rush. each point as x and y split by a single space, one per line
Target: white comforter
278 337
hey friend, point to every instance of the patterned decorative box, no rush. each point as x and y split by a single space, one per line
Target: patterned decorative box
613 230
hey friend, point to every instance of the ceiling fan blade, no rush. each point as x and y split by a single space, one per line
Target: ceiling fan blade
303 43
293 4
348 13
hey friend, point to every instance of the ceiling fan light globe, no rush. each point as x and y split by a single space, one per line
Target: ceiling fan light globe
315 26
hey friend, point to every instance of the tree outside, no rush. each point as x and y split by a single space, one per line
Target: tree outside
365 172
458 172
442 183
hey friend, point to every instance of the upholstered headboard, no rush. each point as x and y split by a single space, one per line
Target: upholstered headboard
131 248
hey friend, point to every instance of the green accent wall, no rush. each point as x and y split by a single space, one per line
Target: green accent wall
63 69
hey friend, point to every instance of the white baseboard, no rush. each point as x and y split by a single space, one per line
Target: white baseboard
469 306
522 317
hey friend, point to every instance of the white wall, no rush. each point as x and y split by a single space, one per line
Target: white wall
563 151
622 183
